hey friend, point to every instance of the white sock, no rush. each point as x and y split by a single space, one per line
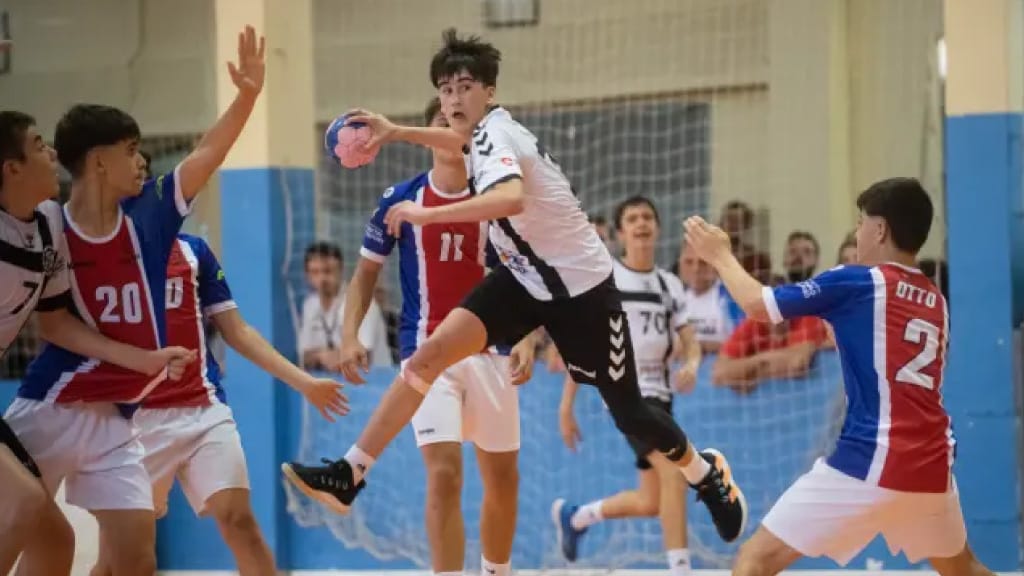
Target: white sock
587 515
488 568
360 461
678 562
697 469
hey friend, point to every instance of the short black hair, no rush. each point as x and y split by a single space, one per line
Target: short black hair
744 208
87 126
478 58
620 210
433 107
804 235
906 208
13 126
323 250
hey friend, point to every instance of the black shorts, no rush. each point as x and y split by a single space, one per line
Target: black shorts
590 330
641 448
9 439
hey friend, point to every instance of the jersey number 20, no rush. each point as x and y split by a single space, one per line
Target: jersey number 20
927 334
124 306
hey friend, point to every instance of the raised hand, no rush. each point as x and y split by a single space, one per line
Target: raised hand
249 72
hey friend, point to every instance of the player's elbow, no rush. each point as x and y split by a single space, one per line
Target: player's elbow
51 323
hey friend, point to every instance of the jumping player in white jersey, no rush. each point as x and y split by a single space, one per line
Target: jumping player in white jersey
34 277
555 273
659 328
188 429
70 410
476 399
891 470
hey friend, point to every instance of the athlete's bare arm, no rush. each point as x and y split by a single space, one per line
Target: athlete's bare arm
501 201
354 356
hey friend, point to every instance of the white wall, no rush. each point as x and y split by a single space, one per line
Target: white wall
812 99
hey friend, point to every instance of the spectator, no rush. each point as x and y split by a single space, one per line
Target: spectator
801 256
847 251
707 302
757 350
601 226
738 221
320 333
149 163
938 272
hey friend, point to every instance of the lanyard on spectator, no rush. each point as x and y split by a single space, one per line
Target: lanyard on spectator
328 328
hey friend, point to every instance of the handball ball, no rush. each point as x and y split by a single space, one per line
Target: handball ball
345 143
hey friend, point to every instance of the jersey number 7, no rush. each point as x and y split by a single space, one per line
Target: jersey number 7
927 334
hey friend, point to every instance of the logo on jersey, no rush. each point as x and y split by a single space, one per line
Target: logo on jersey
592 374
809 288
508 161
374 233
220 275
160 187
388 193
52 261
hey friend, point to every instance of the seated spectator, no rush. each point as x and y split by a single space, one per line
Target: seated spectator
708 304
801 256
738 221
320 332
847 251
757 350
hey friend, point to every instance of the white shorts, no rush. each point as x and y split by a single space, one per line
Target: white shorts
473 401
827 513
92 447
199 446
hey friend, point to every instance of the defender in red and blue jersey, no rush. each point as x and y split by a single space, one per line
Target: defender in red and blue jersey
120 231
474 400
188 431
891 470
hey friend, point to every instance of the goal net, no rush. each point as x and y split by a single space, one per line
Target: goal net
789 108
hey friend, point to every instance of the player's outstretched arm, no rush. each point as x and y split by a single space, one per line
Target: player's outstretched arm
59 327
500 201
354 356
384 131
712 245
247 75
323 393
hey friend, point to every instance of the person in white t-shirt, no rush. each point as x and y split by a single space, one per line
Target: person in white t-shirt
707 302
322 310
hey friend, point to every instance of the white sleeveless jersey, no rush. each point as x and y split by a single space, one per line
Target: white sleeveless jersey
654 303
33 268
549 247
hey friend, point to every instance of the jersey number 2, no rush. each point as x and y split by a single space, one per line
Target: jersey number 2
927 334
451 247
130 304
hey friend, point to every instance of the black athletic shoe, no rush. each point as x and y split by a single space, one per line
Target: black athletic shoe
723 498
331 484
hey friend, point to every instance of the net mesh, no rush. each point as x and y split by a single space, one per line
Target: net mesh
677 100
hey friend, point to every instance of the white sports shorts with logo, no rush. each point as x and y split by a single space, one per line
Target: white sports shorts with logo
199 446
474 401
827 513
90 446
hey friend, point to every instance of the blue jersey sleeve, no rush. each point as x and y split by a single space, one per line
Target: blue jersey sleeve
377 243
821 296
159 210
214 292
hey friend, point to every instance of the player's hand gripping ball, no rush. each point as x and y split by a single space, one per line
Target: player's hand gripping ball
346 143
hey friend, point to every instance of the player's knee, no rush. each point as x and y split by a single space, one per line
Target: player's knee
758 557
444 478
133 561
26 513
238 521
423 367
500 475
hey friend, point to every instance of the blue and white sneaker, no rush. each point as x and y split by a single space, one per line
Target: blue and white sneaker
568 537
